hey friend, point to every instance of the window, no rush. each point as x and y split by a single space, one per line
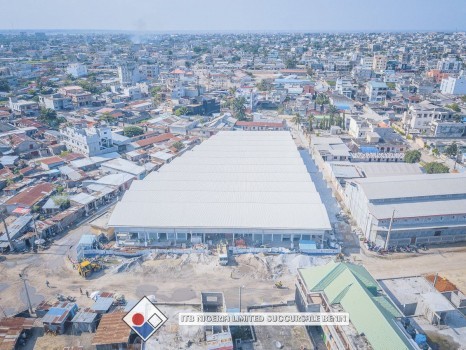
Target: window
437 233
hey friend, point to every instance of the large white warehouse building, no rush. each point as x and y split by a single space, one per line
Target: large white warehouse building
237 184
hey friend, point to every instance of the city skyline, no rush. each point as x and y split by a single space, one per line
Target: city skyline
243 16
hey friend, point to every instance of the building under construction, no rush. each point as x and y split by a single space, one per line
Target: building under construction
237 184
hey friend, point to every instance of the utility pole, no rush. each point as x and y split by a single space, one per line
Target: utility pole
10 242
27 293
3 310
240 298
389 230
240 288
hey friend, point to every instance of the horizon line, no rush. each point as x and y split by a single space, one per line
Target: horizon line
234 31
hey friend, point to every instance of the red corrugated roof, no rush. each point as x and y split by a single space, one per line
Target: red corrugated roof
51 160
32 195
11 329
112 330
155 139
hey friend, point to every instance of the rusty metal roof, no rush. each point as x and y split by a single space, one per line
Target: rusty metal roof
10 330
112 330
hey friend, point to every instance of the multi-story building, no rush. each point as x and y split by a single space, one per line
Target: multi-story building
343 287
57 102
379 63
413 209
344 86
88 141
454 86
128 74
449 64
77 70
376 91
420 116
447 129
78 95
25 108
149 71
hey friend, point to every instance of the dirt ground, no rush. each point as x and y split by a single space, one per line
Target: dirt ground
448 262
169 278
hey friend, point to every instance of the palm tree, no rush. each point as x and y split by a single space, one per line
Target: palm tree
310 120
296 119
232 91
322 100
323 124
239 108
332 112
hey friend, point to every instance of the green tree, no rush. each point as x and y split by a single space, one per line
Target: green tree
322 99
412 156
106 117
436 168
451 150
238 105
130 131
156 93
88 86
181 111
178 145
49 116
332 112
291 63
264 85
435 152
296 119
310 120
4 87
62 201
455 107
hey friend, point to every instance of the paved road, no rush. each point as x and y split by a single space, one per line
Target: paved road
330 202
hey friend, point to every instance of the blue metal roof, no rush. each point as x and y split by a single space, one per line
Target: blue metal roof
307 245
102 304
367 149
87 240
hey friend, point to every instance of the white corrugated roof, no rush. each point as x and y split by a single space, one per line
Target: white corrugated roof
235 179
423 185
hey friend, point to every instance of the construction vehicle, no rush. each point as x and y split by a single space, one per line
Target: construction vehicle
86 268
222 250
279 285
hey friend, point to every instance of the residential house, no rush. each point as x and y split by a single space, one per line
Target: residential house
90 141
123 166
51 163
421 115
57 102
28 198
24 108
376 91
21 144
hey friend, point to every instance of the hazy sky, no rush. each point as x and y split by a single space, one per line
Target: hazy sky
234 15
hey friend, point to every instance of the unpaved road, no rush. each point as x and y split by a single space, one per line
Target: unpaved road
447 262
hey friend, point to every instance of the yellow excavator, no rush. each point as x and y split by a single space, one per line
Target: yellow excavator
86 268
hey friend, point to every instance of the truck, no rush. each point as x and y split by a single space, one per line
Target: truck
222 250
